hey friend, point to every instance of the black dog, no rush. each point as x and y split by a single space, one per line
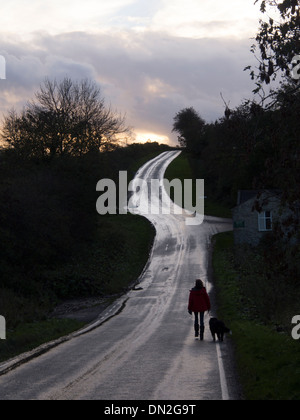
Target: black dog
217 328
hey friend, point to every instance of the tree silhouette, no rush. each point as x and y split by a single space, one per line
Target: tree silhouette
189 125
278 42
66 117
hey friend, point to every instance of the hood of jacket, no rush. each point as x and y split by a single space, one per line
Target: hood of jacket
198 291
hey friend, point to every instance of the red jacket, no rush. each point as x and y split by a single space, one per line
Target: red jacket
199 300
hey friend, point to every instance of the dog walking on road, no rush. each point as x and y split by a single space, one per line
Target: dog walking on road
199 303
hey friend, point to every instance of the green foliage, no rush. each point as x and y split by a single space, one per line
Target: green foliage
186 166
278 41
259 316
28 336
253 148
108 264
179 169
256 145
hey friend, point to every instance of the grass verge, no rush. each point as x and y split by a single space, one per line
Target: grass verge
268 361
28 336
106 267
181 168
109 263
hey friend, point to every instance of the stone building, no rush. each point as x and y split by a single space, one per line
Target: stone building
249 224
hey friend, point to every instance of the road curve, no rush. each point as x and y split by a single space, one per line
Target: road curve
147 350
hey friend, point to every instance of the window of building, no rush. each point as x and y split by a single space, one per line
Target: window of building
265 221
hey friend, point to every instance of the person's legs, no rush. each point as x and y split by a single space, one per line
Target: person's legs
196 324
201 325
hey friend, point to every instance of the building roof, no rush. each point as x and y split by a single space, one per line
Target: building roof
245 195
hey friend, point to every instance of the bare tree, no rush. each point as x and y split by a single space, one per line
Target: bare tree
65 117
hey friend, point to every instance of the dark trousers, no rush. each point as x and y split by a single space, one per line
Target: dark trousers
197 320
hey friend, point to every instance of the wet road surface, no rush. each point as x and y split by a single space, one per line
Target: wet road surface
147 351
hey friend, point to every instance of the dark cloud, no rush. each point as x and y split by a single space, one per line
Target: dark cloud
148 75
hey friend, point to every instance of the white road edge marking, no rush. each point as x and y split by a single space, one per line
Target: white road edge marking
224 387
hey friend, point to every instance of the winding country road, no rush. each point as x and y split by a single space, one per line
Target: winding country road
145 349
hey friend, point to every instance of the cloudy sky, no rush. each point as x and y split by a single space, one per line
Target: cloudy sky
151 58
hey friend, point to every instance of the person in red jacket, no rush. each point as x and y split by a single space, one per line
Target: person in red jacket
199 303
